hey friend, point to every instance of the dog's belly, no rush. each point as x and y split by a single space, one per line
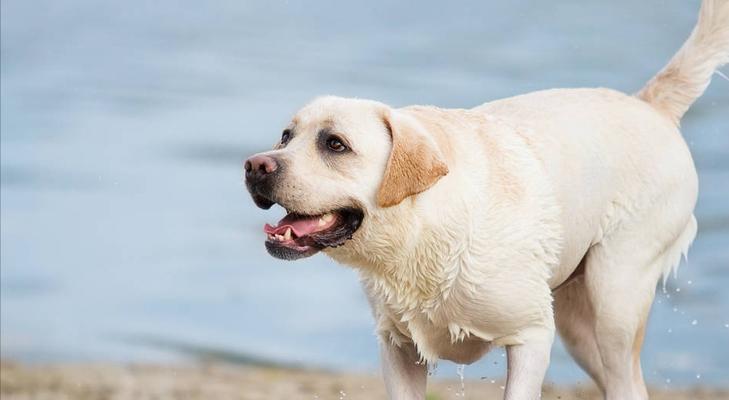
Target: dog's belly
435 342
466 352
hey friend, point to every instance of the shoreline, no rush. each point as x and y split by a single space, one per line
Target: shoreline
97 381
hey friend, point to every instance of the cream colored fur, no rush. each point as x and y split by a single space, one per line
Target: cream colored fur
689 72
581 198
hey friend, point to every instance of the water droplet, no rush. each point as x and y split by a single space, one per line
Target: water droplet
432 369
698 376
678 289
670 330
668 380
675 309
689 282
459 370
694 322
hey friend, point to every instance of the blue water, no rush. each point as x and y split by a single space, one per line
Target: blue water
127 235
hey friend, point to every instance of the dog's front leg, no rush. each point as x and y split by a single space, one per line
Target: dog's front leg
405 377
528 364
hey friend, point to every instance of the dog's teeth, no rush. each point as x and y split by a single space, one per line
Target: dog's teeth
279 237
327 218
322 222
287 234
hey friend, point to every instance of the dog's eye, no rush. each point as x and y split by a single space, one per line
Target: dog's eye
285 136
334 144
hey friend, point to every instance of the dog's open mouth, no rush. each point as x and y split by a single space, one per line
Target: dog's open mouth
298 236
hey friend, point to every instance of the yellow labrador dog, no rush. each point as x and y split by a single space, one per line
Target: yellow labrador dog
496 225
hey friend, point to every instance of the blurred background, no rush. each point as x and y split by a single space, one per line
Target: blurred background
127 234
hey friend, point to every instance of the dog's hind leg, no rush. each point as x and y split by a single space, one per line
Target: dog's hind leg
620 306
621 275
575 320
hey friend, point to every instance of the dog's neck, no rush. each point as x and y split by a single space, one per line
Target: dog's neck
413 264
413 255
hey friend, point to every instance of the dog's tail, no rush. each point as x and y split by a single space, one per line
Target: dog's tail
684 79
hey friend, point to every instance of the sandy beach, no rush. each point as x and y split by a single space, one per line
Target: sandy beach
223 382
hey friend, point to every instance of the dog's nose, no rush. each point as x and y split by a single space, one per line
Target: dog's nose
259 166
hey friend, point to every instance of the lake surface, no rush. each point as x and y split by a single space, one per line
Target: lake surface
127 234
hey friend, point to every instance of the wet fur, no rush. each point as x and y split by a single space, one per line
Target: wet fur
499 225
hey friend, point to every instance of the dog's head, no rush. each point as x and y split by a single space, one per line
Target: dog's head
339 162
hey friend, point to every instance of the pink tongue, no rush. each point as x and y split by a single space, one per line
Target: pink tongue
301 226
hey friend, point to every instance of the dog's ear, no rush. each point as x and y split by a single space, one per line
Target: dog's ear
415 163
